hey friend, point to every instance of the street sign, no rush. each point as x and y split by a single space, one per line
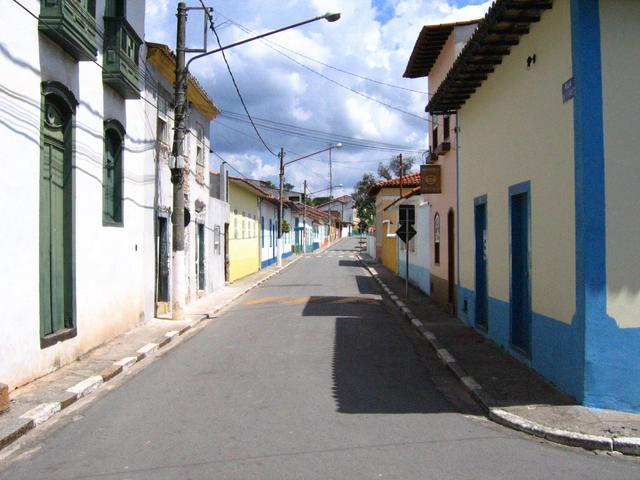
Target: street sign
430 179
406 232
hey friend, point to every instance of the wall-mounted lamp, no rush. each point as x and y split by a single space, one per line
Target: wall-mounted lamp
531 60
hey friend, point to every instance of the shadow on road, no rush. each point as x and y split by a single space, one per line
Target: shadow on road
375 367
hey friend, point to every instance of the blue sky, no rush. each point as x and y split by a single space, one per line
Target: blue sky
284 82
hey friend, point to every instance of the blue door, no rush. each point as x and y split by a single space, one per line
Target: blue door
520 284
481 306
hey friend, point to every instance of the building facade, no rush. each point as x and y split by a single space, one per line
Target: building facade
386 193
436 48
204 263
79 259
548 198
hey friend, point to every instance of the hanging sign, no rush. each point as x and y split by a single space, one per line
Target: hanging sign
430 179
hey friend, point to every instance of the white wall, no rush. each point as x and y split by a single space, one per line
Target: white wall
113 265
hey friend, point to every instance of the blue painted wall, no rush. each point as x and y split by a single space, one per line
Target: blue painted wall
611 354
555 346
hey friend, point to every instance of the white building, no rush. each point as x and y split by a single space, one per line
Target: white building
78 192
204 236
345 206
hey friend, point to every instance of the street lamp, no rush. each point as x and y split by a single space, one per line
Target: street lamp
177 172
280 212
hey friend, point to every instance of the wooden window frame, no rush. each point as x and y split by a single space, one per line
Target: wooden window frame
63 99
113 128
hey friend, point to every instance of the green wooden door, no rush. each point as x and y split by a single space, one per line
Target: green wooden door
200 257
56 224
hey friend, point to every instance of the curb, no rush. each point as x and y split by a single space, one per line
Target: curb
45 411
624 445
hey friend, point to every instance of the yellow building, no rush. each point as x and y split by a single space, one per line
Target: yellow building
244 231
387 192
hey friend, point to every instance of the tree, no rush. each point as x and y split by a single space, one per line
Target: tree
392 168
365 204
268 183
288 186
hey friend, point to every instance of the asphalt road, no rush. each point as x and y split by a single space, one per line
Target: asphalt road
310 376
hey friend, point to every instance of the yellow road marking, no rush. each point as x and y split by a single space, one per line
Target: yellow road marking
258 301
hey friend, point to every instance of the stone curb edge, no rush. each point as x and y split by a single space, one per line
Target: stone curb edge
624 445
44 411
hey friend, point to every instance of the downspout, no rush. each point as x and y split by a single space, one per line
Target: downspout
457 252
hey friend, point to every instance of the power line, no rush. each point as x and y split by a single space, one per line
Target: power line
353 90
235 84
320 136
247 30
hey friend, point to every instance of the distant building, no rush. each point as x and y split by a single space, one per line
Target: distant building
386 220
344 206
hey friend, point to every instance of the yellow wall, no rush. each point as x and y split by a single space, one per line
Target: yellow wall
513 129
389 254
244 253
620 36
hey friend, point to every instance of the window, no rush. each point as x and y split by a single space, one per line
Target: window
57 314
112 173
436 239
163 132
446 127
200 147
216 240
115 8
434 138
270 233
244 233
262 230
235 223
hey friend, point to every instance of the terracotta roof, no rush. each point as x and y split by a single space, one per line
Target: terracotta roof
428 46
500 29
411 180
161 57
342 199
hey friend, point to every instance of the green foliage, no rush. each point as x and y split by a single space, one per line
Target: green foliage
286 228
365 204
392 168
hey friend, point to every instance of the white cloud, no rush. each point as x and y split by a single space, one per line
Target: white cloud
277 89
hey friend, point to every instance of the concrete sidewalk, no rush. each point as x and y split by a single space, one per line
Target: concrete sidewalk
509 391
38 401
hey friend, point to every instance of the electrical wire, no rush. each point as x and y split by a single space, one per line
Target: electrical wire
357 92
323 137
247 30
235 84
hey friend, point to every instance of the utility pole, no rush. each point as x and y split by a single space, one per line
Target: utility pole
304 219
280 213
401 174
330 195
177 172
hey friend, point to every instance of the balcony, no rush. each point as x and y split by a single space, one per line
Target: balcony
442 148
71 24
121 54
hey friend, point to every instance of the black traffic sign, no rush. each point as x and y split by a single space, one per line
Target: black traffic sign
406 232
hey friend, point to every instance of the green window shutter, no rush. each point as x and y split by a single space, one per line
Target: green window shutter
112 176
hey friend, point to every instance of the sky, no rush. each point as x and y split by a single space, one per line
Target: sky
304 87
